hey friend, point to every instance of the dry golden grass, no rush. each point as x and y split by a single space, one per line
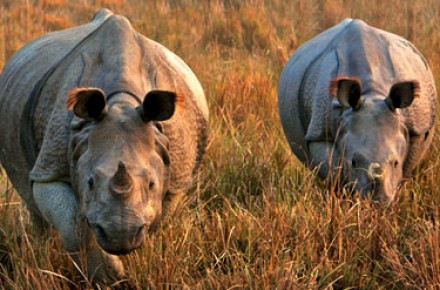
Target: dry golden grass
257 219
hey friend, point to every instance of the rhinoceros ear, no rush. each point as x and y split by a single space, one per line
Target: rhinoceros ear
159 105
348 91
402 94
87 103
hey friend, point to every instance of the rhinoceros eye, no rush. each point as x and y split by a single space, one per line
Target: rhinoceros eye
151 185
90 182
395 163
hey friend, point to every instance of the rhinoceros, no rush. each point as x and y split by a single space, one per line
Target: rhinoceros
102 132
358 104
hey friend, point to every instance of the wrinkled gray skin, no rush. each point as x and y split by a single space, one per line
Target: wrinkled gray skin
359 103
104 172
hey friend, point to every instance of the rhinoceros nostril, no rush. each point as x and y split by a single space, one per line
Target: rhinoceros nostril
141 231
99 232
138 238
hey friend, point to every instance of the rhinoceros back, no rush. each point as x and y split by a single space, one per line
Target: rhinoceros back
352 48
291 86
21 83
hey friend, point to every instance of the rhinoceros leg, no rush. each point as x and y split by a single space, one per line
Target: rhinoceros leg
324 156
59 207
418 146
171 202
101 266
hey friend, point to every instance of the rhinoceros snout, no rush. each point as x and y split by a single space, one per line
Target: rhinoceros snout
120 242
377 188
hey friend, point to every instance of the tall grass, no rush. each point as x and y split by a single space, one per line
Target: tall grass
256 219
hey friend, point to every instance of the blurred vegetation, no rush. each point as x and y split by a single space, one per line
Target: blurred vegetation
256 219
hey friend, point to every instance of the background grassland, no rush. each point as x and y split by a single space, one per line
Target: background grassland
257 219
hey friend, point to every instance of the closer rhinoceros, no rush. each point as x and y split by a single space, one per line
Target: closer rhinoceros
102 131
359 103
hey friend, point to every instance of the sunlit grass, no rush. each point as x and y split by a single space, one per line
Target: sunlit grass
257 218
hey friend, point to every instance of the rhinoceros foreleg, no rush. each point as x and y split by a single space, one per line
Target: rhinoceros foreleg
59 207
417 148
171 201
324 157
101 266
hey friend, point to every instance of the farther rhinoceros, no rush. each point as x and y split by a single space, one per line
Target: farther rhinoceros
102 131
359 102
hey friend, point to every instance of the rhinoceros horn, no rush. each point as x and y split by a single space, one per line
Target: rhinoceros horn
121 183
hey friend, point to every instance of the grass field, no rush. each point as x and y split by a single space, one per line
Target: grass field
256 219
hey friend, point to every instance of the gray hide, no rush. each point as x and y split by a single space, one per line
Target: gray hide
312 116
37 128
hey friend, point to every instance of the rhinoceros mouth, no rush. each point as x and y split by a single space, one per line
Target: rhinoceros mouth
119 251
119 244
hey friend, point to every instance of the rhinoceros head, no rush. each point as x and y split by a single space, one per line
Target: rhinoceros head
372 138
121 164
